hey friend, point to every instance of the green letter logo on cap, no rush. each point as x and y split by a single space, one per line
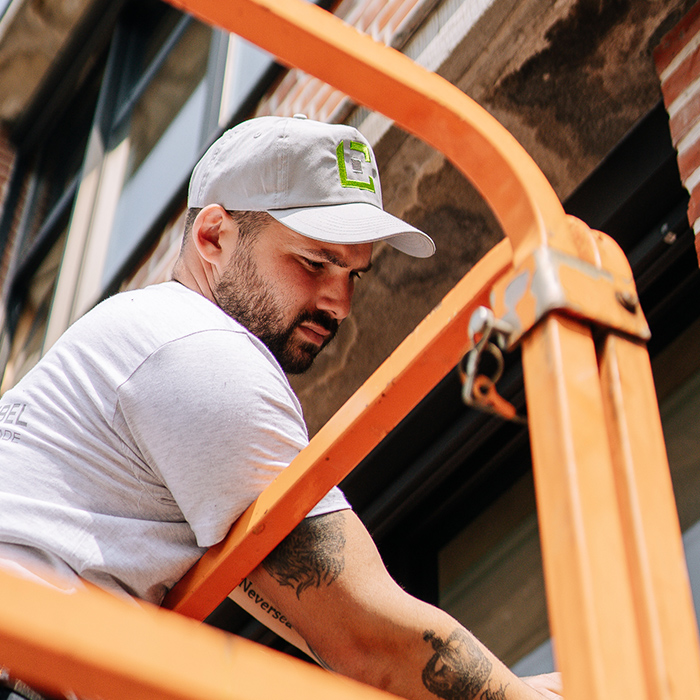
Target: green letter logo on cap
356 164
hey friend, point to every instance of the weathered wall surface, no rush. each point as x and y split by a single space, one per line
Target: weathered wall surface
568 79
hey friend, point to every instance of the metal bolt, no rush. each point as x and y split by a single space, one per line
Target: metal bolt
670 238
627 300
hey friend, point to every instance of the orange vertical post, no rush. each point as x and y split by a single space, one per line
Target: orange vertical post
588 583
653 545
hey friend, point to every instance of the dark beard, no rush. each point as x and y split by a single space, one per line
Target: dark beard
296 356
243 295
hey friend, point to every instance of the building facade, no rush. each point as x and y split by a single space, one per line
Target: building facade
106 107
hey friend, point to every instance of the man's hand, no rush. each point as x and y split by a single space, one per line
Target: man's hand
330 582
547 684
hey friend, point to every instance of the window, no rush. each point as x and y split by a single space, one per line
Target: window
51 176
172 86
677 375
32 315
100 184
158 133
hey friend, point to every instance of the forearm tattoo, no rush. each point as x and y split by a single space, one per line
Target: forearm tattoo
497 694
311 555
458 669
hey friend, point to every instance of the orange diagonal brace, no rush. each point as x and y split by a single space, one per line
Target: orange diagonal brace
415 367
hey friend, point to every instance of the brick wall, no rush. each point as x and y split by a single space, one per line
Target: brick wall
388 21
7 160
678 64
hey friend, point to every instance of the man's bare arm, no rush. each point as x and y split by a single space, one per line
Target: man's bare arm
328 578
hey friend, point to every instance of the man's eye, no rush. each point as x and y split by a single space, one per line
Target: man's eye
313 264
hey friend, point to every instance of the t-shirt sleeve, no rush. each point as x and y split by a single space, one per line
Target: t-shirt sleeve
215 419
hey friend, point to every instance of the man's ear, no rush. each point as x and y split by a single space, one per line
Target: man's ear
214 235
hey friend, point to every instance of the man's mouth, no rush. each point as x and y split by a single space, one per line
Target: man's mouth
314 333
317 327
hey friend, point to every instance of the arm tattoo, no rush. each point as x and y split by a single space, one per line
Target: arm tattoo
458 669
498 694
311 555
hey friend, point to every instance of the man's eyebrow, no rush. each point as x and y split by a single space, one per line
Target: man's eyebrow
330 257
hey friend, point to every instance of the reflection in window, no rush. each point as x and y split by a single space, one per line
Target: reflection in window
33 313
155 148
55 165
167 93
677 378
52 170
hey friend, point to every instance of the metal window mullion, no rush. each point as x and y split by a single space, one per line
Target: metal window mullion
21 270
109 90
215 76
80 234
124 110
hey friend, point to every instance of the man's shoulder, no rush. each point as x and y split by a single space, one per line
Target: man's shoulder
170 315
168 300
157 314
120 333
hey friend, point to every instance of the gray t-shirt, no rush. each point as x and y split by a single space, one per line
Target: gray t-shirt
139 438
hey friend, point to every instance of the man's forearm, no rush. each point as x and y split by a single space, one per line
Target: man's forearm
329 580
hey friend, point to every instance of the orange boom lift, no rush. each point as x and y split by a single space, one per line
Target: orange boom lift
619 600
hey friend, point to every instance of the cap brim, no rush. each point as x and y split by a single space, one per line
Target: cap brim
353 223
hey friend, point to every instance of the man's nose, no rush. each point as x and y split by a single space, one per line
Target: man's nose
336 297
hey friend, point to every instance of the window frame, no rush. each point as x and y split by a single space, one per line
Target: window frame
78 288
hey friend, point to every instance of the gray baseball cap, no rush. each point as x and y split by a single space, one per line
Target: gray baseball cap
318 179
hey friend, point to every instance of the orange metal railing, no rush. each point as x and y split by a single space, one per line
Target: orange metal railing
619 599
620 604
98 646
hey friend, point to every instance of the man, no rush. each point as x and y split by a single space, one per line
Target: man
160 416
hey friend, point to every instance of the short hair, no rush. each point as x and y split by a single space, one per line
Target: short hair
249 222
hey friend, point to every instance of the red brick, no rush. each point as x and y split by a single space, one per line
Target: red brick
685 118
371 10
342 110
683 76
671 45
306 97
352 12
694 204
5 171
689 160
383 18
302 81
284 86
399 16
331 105
316 102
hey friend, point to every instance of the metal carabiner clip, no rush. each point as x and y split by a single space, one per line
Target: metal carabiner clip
478 381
